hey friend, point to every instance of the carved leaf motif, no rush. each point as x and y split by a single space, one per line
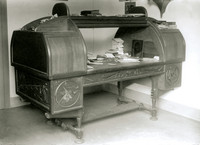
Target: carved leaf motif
122 74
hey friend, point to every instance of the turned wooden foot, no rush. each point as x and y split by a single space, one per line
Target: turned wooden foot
77 130
154 115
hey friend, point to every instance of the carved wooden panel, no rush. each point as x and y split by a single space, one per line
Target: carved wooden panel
172 77
33 88
67 94
122 75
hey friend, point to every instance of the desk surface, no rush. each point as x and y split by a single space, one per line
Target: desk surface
105 73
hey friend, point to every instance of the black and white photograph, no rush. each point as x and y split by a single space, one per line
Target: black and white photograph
99 72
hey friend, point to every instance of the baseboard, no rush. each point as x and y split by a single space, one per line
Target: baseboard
17 102
141 93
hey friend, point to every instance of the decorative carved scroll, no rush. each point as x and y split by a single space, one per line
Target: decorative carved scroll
124 74
33 87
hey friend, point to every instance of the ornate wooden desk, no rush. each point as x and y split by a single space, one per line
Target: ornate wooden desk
50 60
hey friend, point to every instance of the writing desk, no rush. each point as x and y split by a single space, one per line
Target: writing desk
50 60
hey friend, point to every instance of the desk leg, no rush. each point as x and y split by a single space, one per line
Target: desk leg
154 96
79 134
121 98
67 122
120 89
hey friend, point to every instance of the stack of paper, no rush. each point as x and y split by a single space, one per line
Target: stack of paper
117 45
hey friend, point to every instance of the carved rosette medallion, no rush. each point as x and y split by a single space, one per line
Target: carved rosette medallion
67 93
172 74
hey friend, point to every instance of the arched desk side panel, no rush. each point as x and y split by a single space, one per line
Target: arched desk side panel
174 54
173 43
55 49
66 47
67 55
168 44
29 53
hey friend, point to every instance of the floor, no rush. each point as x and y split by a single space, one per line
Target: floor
27 126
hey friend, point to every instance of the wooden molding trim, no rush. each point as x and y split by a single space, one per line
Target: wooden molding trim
4 55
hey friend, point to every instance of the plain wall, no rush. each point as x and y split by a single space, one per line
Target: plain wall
185 13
